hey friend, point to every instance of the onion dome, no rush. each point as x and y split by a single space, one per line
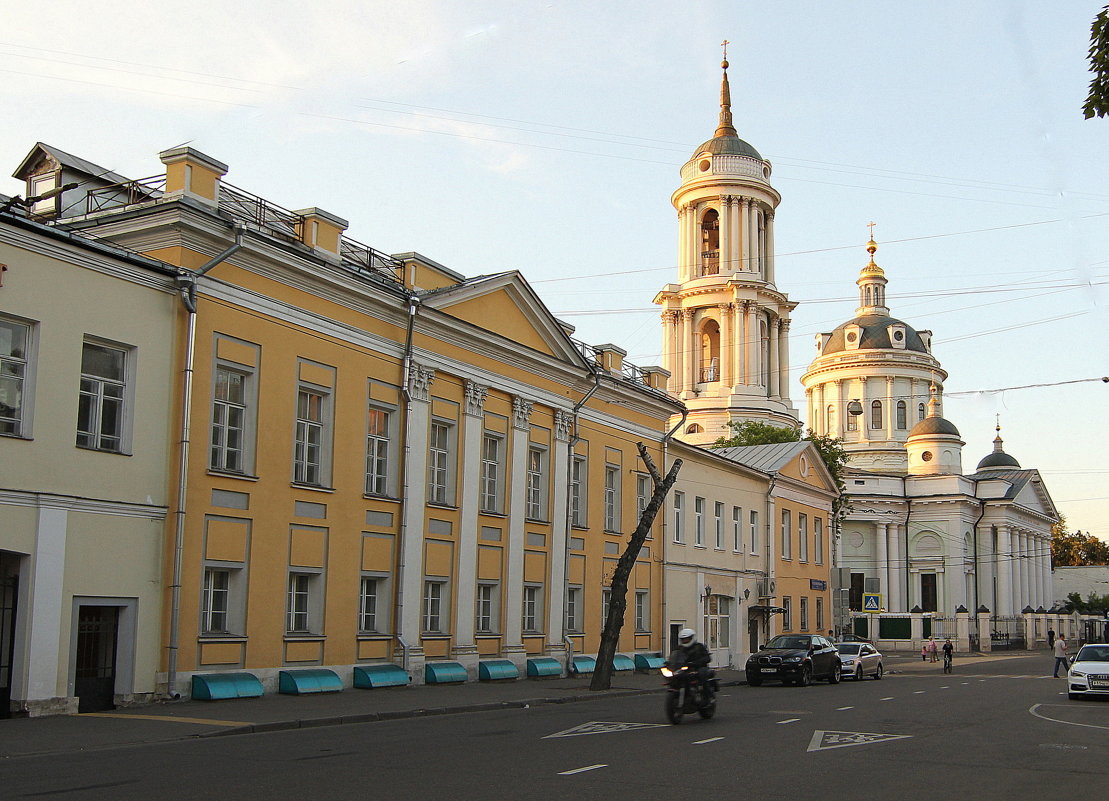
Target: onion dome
999 459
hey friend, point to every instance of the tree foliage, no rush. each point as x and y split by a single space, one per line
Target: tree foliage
751 432
1093 605
1097 103
1074 549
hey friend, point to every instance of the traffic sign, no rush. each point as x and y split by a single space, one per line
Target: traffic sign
872 602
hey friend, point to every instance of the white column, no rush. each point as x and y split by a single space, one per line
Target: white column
770 266
465 589
725 234
41 662
689 355
752 339
677 362
745 223
412 541
774 371
1004 571
514 592
783 360
725 377
1045 565
895 603
1038 566
560 525
753 227
889 410
734 247
882 562
1022 562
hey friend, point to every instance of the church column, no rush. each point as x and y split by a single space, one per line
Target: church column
752 336
514 592
725 234
774 373
667 318
1045 565
734 253
882 565
745 224
891 412
1022 562
465 592
753 227
783 358
560 525
895 601
838 408
689 356
1038 571
770 250
725 377
1004 571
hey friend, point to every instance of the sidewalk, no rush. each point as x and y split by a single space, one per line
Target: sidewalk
189 719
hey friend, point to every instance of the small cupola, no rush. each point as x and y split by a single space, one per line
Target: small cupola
934 446
872 284
999 459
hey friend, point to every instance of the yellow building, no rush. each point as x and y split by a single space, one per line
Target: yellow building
384 462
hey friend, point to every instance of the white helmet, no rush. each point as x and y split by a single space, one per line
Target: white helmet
686 637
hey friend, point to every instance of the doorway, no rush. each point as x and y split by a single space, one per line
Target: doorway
95 675
928 592
9 593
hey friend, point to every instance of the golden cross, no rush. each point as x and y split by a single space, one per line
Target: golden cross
725 44
871 225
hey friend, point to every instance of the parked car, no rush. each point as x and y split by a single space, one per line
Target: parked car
1089 673
860 659
853 638
794 659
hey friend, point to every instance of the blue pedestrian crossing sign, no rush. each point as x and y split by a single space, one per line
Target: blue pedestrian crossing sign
872 602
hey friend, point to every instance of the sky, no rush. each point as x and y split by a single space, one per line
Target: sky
547 137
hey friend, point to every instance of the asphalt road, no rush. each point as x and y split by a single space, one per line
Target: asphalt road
1001 730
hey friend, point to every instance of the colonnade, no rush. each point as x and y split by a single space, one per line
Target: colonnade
746 241
838 393
1023 570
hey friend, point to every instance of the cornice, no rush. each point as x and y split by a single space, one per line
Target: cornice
72 503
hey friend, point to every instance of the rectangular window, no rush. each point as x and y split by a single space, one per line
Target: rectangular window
818 543
787 539
488 603
719 519
311 439
578 484
491 473
802 538
100 409
533 608
372 605
215 604
537 484
787 615
804 614
438 462
612 498
229 421
573 609
15 339
737 529
606 600
642 610
852 422
699 521
300 603
435 600
754 531
820 614
679 517
378 435
642 495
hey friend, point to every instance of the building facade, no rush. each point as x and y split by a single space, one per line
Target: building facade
86 386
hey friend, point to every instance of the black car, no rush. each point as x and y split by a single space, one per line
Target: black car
795 659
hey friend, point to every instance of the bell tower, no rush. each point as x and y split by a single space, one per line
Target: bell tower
725 324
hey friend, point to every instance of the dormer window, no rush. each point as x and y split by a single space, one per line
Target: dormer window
39 185
852 337
897 336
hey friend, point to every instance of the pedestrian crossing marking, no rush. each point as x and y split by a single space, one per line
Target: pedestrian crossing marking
602 727
826 740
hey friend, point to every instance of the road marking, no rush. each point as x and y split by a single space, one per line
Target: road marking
890 698
602 727
1064 746
945 687
581 770
791 720
844 708
826 740
966 683
709 740
1034 707
171 719
919 692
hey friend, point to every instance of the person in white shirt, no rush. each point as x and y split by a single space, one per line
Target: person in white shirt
1060 656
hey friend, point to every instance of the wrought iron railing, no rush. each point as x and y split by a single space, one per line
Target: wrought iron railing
710 262
126 193
260 213
364 259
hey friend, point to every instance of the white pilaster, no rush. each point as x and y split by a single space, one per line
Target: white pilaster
882 562
734 247
1004 571
514 593
465 591
44 617
726 348
770 266
753 366
774 373
689 355
783 360
745 222
753 227
560 525
725 235
412 537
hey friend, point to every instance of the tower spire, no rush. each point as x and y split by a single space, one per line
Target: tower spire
872 282
725 128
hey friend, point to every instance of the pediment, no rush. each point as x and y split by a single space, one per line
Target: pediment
507 306
1034 496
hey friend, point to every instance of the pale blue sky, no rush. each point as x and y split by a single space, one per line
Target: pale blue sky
547 137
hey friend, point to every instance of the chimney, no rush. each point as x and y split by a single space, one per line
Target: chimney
610 357
656 377
321 231
192 173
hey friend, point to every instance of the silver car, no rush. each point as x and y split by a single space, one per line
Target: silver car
1089 673
858 659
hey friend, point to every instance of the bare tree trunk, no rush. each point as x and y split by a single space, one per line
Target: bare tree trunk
610 636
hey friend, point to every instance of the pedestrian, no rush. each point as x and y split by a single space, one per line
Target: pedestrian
933 649
1060 650
1051 638
924 652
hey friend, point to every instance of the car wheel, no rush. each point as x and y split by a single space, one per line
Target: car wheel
806 676
754 681
878 672
837 673
859 673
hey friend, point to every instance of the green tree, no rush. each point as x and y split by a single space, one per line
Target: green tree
1073 549
1093 605
750 432
1097 103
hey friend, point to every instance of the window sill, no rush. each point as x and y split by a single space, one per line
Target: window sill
365 636
102 450
439 505
294 636
701 547
492 513
372 496
312 487
24 437
487 635
212 636
579 526
231 474
538 520
434 635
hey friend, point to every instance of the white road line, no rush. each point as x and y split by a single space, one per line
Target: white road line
844 708
1033 710
581 770
890 698
966 683
945 687
919 692
791 720
709 740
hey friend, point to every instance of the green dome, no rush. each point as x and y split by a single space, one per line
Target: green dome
727 146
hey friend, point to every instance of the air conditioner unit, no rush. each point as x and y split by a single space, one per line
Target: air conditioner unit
766 588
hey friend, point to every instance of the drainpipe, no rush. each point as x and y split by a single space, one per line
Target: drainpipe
977 602
771 573
413 307
574 440
186 283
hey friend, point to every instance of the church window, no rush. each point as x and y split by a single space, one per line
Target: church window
710 352
693 428
919 412
876 414
829 419
852 422
710 243
901 415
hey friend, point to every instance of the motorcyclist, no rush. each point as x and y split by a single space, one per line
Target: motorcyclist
698 657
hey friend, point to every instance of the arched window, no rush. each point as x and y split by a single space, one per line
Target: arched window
829 419
876 414
710 352
693 428
920 412
710 243
764 355
902 423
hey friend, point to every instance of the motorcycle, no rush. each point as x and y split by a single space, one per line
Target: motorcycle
685 693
